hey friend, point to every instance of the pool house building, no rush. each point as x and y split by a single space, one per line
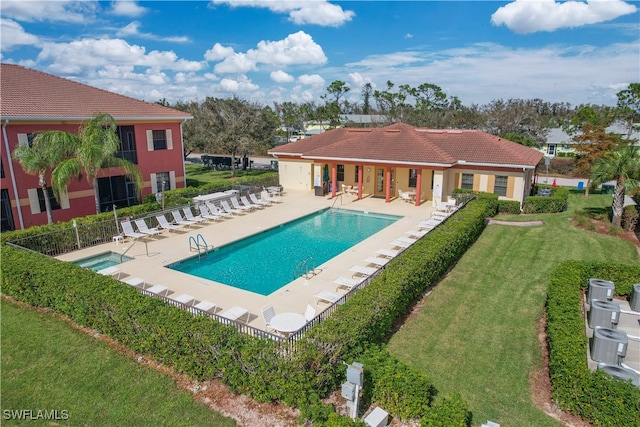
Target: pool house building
393 161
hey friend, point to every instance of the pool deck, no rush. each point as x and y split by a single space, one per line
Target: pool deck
170 247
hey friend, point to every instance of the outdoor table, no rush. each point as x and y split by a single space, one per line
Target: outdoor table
287 322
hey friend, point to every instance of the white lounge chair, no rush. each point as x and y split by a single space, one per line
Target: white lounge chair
206 306
179 220
326 296
376 260
166 225
247 203
158 290
389 253
144 229
268 313
428 224
310 313
256 201
418 233
403 242
190 217
216 210
363 271
206 214
236 313
238 206
185 299
128 231
269 198
345 282
228 209
110 271
135 282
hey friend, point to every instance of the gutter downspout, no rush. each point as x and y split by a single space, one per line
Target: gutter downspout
184 167
13 177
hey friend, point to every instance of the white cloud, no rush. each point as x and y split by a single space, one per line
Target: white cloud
127 8
13 34
311 80
280 76
240 84
319 12
132 30
530 16
358 80
50 11
218 52
298 48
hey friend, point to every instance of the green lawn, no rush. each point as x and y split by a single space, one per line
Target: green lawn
198 175
476 333
46 365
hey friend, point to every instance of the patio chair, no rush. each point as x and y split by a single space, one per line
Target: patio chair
256 201
206 214
428 224
144 229
238 206
216 210
206 306
185 299
190 217
158 290
389 253
249 204
228 209
363 271
269 198
310 313
403 242
236 313
110 271
267 314
166 225
376 260
179 220
326 296
135 282
127 229
404 196
345 282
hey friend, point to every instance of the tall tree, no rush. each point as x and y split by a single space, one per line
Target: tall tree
516 117
95 147
623 166
43 154
195 134
367 93
628 108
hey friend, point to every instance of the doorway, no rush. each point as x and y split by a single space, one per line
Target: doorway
380 188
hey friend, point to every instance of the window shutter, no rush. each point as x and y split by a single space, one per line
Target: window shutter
458 180
491 183
476 182
23 139
169 139
150 140
172 180
34 203
154 184
511 183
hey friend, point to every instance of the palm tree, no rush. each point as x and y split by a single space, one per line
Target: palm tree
94 150
623 166
45 152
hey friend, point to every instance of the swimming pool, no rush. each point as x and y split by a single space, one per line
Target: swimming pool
103 260
266 261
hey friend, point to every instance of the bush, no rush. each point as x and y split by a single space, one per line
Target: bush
557 202
509 207
630 218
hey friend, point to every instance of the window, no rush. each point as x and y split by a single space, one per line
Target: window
6 215
54 203
356 176
467 181
500 186
159 140
551 149
162 181
413 178
340 172
127 148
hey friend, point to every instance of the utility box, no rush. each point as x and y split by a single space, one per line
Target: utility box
608 345
348 391
377 418
600 289
634 302
604 314
620 373
355 374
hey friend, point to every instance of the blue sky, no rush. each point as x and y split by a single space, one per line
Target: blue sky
273 51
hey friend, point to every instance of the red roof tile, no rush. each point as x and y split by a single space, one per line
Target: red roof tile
402 143
28 93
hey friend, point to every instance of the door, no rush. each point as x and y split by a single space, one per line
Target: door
380 189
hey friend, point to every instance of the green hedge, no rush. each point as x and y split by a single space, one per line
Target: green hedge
595 396
509 207
557 202
203 348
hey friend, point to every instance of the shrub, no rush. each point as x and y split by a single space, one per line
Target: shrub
509 207
630 218
557 202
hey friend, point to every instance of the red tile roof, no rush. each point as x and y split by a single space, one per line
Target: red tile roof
402 143
30 94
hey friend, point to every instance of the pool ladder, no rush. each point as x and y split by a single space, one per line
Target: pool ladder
302 268
199 244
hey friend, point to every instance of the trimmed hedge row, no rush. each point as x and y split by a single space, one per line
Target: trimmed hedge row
203 348
595 396
557 202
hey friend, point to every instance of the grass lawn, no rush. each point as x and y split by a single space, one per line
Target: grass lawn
46 365
198 175
476 333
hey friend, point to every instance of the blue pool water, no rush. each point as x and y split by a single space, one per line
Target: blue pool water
265 262
103 260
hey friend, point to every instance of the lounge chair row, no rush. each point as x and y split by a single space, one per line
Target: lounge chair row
233 313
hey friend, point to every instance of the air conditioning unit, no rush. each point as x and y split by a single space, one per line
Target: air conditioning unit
604 313
600 289
634 302
620 373
608 345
